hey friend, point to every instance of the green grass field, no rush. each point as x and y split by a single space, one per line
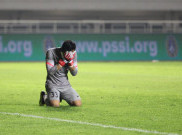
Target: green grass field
141 95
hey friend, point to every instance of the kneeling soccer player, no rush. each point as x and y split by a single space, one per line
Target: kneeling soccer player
60 61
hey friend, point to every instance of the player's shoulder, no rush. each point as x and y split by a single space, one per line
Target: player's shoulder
51 50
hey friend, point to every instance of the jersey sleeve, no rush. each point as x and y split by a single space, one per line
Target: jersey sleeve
74 72
50 63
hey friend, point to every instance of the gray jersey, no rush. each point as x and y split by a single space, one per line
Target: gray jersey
55 77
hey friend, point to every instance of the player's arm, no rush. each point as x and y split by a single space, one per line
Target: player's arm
51 67
73 68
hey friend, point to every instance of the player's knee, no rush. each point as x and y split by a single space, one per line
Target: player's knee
76 103
55 103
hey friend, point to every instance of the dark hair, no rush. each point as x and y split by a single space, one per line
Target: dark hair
68 45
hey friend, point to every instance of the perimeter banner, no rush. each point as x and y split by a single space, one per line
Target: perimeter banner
93 47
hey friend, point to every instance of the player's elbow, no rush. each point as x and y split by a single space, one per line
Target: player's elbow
74 73
51 71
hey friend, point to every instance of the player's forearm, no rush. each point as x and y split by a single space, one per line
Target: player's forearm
58 66
73 70
51 67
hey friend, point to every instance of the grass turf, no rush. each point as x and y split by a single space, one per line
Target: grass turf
142 95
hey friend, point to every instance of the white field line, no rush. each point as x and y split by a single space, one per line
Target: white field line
91 124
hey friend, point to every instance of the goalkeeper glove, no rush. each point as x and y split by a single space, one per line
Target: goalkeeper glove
70 63
69 55
62 62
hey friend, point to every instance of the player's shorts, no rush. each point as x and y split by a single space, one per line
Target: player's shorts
66 93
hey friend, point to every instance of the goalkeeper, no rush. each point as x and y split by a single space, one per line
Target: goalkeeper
60 61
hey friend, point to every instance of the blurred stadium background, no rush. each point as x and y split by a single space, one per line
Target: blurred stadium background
126 29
